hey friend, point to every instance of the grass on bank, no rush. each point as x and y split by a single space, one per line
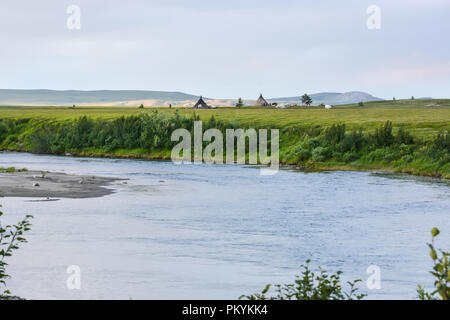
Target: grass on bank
403 136
422 117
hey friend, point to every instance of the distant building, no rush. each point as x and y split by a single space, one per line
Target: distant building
201 104
261 102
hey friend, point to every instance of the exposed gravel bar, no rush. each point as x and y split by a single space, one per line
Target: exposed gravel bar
32 184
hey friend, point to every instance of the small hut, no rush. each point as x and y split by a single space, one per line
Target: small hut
201 104
261 102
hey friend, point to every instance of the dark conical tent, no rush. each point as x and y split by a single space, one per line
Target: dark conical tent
201 104
261 102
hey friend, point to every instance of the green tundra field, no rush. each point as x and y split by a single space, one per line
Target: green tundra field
410 136
422 117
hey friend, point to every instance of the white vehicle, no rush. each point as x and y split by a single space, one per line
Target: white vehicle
328 107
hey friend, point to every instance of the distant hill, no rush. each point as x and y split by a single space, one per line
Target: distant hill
97 97
333 98
153 98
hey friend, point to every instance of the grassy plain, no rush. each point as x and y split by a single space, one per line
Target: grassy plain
421 117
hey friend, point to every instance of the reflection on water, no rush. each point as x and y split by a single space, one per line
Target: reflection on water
216 232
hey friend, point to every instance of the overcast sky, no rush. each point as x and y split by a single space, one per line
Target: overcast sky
228 49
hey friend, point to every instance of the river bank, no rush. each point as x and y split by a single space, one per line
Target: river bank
390 147
164 155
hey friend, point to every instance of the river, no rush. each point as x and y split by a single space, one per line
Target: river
220 231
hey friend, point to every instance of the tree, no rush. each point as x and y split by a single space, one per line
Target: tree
306 99
240 103
10 238
361 104
141 106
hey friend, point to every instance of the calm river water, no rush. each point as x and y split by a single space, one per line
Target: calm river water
216 232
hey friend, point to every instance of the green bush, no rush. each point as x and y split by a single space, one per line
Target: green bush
335 134
321 154
440 272
324 286
350 157
403 137
10 238
383 136
40 142
338 156
313 143
384 154
302 154
408 158
442 141
3 131
352 142
311 286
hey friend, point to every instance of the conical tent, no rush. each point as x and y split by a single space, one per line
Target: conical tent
201 104
261 102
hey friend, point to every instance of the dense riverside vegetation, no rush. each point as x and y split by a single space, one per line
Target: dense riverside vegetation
147 135
335 147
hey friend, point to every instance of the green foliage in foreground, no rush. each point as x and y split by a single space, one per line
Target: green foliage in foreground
311 286
441 273
10 238
324 286
147 135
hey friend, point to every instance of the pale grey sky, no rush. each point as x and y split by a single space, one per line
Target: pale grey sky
228 49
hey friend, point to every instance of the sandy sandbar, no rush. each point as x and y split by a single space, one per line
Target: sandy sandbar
53 185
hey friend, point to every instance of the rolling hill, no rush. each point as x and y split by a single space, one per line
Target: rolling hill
333 98
43 97
97 97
